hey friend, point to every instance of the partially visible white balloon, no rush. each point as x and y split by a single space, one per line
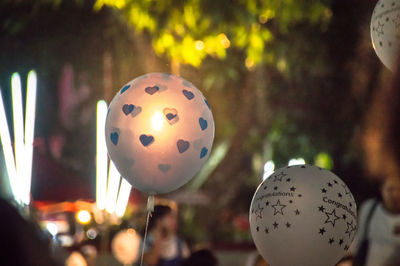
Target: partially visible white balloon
125 246
303 215
385 31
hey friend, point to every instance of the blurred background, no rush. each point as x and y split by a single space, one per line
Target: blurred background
287 81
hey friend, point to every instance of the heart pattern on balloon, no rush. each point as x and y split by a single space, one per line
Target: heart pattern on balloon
182 145
136 111
151 90
203 152
172 115
188 94
127 108
208 105
146 140
164 167
114 138
203 123
131 109
125 88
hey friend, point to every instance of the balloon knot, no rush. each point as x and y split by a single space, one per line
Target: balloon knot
150 203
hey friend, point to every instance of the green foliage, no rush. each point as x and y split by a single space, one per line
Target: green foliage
288 141
189 31
324 160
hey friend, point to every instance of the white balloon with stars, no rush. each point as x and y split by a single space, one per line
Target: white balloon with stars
159 132
303 215
385 31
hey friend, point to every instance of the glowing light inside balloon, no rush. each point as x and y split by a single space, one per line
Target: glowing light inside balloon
157 120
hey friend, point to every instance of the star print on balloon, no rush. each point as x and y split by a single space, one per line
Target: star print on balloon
258 212
379 29
278 208
164 124
279 176
314 206
331 217
385 31
396 21
350 228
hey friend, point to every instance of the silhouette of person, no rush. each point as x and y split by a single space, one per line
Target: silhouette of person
379 225
163 247
20 241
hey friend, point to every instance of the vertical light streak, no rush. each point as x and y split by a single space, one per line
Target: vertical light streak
101 156
112 188
30 114
18 131
123 197
8 151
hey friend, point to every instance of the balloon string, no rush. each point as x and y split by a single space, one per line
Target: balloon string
150 209
145 237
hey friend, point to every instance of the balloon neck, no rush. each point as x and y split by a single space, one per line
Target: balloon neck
150 203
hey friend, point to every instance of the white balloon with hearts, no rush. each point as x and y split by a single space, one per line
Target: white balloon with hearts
303 215
385 31
159 132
